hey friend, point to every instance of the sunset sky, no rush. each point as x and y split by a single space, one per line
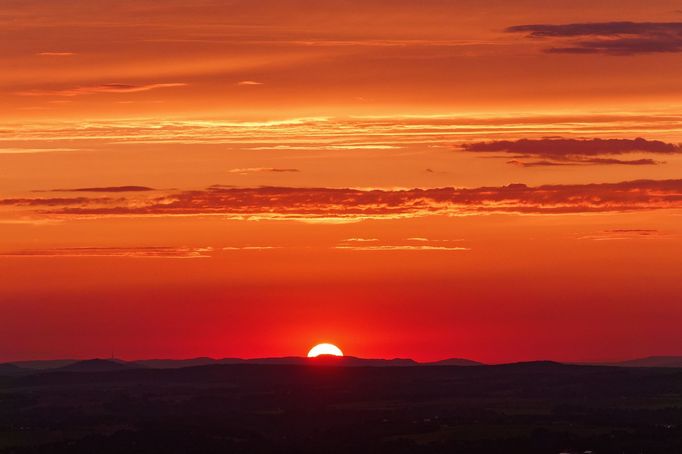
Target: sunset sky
489 179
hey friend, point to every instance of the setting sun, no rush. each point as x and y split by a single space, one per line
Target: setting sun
324 349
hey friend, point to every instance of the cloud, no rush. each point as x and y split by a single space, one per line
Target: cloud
633 162
250 248
519 163
610 38
369 244
626 234
579 161
574 147
561 151
133 252
55 54
57 201
423 244
383 133
103 88
362 146
18 150
637 231
432 240
402 248
249 83
107 189
352 205
249 170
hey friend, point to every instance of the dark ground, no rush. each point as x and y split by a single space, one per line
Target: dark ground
522 408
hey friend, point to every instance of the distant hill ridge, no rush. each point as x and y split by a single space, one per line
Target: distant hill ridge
112 364
98 365
454 362
650 361
290 360
10 370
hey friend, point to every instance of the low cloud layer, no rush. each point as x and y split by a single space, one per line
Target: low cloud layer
348 205
610 38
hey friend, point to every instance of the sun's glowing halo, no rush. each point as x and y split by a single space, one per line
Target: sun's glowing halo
324 349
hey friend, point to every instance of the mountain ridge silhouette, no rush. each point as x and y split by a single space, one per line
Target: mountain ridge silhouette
113 364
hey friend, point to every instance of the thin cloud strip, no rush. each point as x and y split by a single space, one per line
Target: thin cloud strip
56 54
422 244
107 189
626 235
59 201
563 151
402 248
249 170
140 252
582 161
18 150
250 248
337 134
103 88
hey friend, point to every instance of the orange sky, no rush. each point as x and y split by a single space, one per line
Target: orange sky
485 179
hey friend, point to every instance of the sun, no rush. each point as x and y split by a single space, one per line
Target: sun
324 349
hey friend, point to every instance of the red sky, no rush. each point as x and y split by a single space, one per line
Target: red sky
484 179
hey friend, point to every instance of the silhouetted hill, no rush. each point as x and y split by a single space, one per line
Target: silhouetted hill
176 363
10 370
524 408
651 361
351 361
453 362
98 365
346 361
529 364
44 363
286 360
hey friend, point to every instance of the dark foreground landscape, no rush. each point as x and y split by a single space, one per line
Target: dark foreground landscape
260 408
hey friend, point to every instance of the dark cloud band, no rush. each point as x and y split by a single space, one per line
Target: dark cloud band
611 38
357 204
560 151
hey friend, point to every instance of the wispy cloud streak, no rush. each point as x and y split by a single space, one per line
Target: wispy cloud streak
402 248
626 235
103 88
131 252
249 170
339 134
